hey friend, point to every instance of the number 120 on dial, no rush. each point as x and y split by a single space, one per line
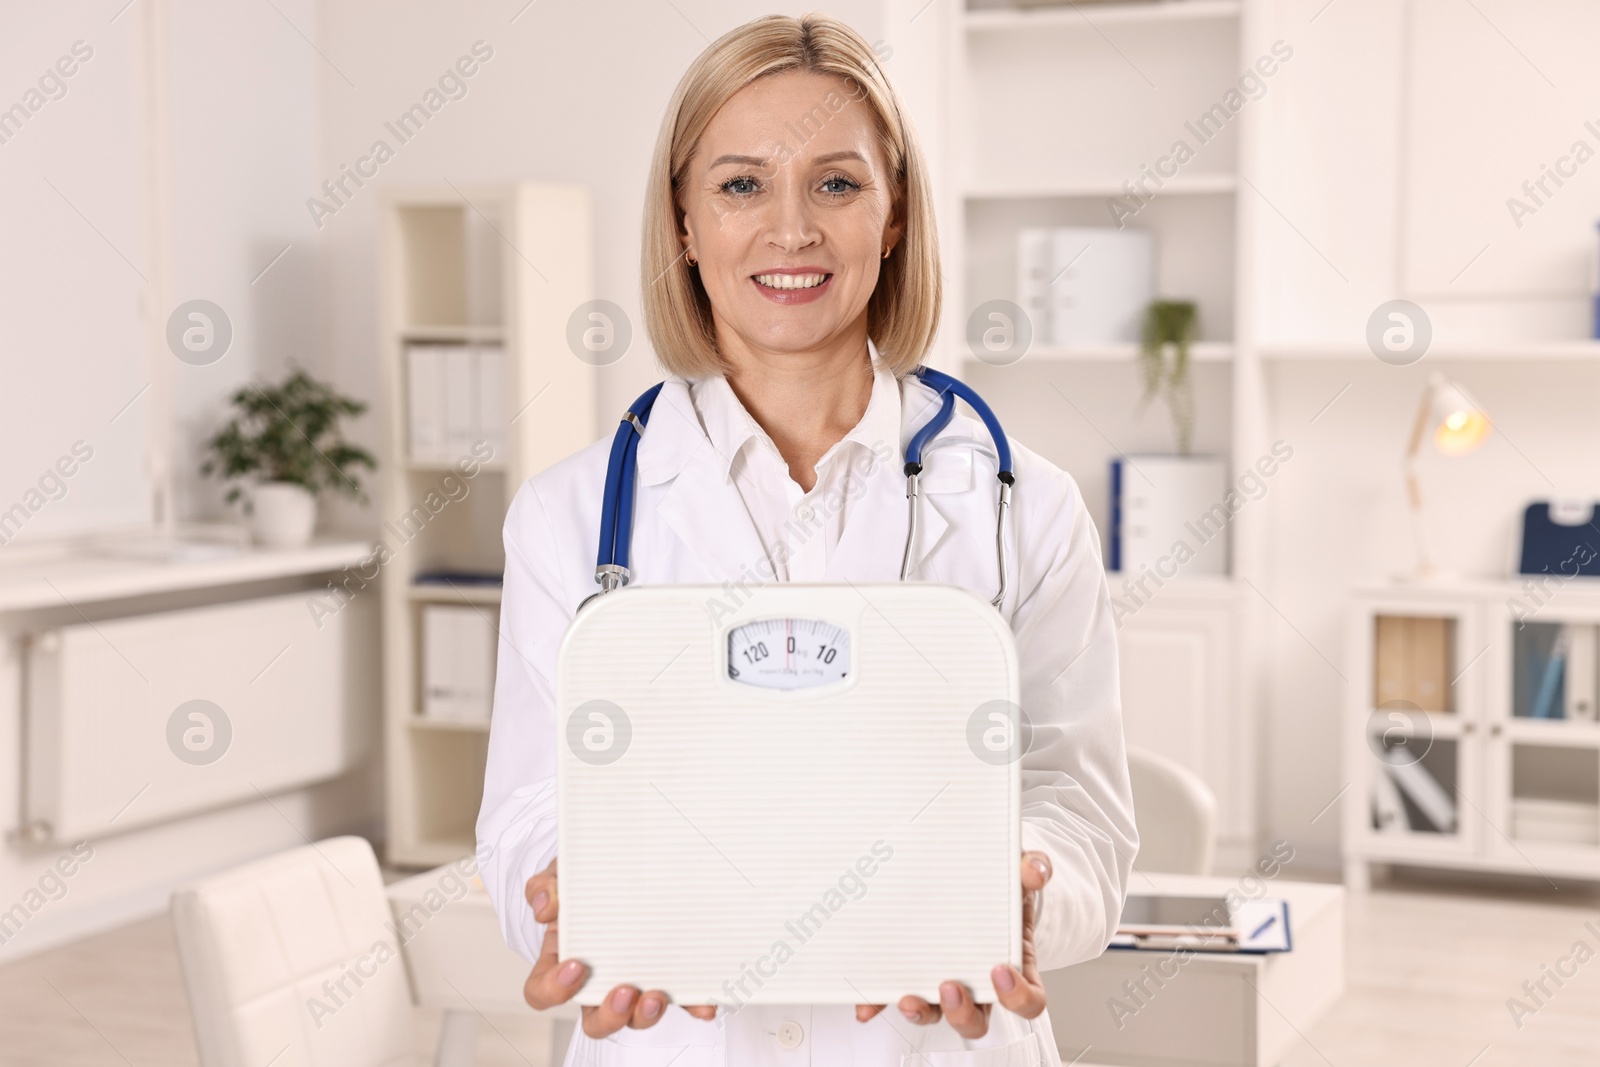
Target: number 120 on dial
788 653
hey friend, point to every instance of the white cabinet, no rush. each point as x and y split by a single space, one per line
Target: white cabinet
1179 656
1470 739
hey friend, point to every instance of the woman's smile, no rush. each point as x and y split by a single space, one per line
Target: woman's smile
792 285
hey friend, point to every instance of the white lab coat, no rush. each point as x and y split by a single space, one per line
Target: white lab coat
691 526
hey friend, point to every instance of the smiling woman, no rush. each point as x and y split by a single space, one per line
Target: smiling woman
791 286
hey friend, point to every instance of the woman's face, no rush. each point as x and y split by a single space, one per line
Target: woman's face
788 208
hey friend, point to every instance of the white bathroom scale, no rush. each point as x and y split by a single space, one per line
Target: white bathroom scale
795 794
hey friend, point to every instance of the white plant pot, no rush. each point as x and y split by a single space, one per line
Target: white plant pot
282 515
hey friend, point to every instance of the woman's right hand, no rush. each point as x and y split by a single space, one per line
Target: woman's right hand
555 982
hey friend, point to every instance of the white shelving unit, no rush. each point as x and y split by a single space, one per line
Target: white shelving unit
504 265
1001 167
1523 789
1287 227
1115 85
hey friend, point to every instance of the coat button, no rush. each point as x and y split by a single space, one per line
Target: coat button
805 513
790 1035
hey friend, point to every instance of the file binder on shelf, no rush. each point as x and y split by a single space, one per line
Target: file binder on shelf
1084 287
1558 671
1169 513
1580 671
1426 794
458 648
1388 810
455 397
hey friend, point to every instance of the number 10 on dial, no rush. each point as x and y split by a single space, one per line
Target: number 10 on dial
788 653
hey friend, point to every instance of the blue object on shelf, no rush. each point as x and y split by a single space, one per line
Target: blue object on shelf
1116 515
1550 689
1561 539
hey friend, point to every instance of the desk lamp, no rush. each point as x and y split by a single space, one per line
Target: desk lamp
1458 427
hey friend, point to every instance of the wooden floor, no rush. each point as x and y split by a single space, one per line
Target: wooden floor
1431 961
1430 967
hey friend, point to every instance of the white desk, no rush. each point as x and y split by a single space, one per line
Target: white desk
459 963
1220 1009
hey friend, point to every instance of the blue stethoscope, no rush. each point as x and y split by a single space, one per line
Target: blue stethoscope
616 514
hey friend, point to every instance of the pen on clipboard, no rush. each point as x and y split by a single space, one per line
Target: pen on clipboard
1258 931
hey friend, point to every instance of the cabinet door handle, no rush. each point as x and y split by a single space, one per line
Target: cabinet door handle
1468 727
1495 729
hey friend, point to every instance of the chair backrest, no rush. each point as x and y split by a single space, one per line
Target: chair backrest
289 960
1176 815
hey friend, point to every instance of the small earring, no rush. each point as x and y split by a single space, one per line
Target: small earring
886 253
691 260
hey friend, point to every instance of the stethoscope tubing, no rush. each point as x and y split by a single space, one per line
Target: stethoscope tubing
616 507
950 386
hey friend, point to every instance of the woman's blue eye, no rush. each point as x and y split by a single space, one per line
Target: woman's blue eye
739 186
838 185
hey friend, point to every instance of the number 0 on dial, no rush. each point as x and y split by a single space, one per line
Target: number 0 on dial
788 653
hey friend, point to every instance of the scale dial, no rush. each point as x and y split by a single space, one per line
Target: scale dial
788 653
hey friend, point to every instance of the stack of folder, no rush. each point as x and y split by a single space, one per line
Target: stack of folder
458 649
1413 656
455 398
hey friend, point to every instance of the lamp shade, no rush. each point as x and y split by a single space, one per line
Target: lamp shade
1459 424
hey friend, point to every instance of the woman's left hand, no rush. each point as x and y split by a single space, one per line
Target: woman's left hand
1020 992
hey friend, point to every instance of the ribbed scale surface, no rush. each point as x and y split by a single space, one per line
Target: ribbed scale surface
734 811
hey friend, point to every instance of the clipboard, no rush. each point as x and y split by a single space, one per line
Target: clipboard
1172 922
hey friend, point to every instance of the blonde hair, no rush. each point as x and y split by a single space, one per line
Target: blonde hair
903 311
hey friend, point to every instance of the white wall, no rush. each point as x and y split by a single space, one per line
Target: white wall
244 122
243 148
81 275
73 264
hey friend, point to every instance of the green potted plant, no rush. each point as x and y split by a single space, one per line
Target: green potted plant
1169 327
284 447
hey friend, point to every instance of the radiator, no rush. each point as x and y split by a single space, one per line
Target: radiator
138 720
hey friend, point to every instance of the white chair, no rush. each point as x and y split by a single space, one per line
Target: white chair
289 960
1176 814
